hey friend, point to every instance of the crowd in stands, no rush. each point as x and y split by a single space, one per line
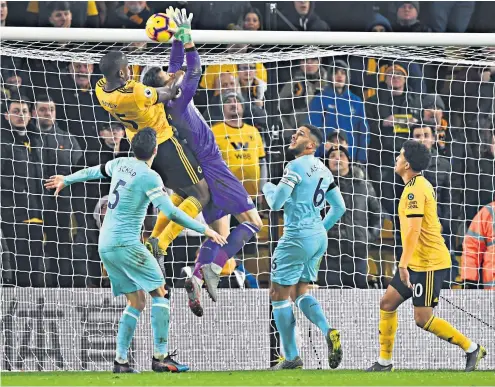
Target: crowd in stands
51 123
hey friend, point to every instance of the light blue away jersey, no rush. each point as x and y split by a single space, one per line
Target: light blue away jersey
310 180
132 188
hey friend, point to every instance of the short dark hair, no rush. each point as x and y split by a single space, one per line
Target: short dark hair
316 132
43 97
111 63
425 124
417 155
18 98
151 77
58 6
110 126
144 143
341 135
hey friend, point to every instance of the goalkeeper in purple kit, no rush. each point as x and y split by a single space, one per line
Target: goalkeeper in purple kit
228 196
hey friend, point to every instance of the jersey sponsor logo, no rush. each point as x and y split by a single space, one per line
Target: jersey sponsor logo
412 205
243 146
147 92
243 156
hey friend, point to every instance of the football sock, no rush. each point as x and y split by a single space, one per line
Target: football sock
207 253
235 241
192 207
127 326
286 325
386 334
313 311
160 319
162 221
447 332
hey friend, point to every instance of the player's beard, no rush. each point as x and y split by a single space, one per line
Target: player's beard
296 150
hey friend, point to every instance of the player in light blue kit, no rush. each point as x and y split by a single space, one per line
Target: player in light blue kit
305 185
132 269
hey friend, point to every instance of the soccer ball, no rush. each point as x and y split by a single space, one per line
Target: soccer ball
160 28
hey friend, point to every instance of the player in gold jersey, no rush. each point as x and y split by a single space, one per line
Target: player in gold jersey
424 263
138 106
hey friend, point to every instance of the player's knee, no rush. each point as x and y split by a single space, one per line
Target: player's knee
421 318
387 305
138 303
254 219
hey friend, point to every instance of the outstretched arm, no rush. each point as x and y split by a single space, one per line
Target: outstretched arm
337 206
176 56
58 182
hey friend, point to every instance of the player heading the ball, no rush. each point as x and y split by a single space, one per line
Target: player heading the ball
305 186
132 270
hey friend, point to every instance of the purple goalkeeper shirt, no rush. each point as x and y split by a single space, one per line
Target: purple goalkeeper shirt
182 113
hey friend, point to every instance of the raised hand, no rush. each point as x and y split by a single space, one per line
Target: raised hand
55 182
183 22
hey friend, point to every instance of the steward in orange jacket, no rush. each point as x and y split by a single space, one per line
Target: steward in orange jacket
479 249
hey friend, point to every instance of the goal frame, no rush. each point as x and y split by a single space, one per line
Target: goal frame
106 35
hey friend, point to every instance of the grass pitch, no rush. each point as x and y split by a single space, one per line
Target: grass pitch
252 378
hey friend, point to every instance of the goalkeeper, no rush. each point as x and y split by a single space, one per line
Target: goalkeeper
131 268
228 195
424 263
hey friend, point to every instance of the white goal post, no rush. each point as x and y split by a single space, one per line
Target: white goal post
446 81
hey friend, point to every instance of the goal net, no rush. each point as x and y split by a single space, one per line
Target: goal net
57 309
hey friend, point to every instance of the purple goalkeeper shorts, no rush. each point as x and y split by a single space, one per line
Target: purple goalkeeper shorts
228 195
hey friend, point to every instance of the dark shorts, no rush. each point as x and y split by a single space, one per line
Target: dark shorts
228 195
177 165
426 286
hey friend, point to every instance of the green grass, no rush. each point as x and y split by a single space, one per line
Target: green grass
252 378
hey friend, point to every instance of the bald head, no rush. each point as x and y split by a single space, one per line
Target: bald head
112 63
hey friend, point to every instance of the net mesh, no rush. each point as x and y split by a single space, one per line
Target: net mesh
447 91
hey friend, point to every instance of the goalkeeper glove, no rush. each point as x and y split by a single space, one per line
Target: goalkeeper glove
183 22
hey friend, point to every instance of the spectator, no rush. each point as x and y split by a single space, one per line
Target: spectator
59 14
211 78
433 108
241 145
389 112
21 190
60 154
251 20
337 108
227 83
82 13
479 179
4 11
77 105
407 18
132 14
450 16
438 173
216 15
347 262
110 138
379 23
478 255
306 81
252 88
301 16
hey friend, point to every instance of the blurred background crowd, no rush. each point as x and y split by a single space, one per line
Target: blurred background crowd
51 123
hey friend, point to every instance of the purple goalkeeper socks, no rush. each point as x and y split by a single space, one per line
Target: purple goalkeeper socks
207 253
235 241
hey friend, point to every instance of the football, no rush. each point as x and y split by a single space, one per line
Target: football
160 28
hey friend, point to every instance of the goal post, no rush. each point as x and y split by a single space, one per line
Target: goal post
341 82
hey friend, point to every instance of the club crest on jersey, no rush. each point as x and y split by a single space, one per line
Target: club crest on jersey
410 196
147 92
